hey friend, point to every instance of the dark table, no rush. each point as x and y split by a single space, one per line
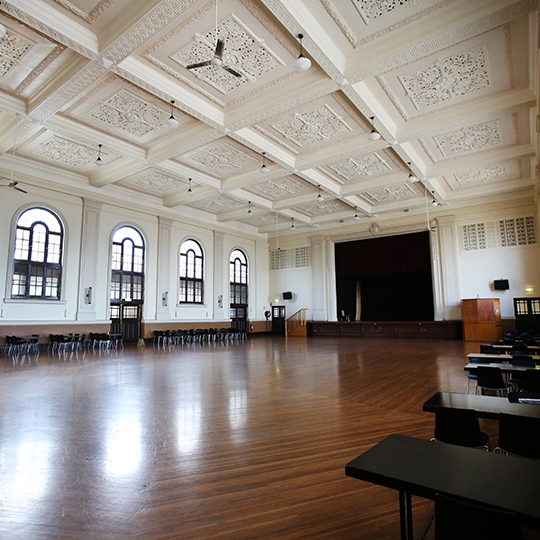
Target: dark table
423 468
505 367
486 406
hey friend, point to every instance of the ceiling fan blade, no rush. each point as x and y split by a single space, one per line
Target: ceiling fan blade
199 64
230 70
219 48
19 189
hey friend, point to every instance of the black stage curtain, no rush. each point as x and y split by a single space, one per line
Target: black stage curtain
394 275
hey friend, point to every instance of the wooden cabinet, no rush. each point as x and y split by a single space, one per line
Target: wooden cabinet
481 319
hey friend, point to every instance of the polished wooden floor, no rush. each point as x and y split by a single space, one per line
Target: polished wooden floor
244 441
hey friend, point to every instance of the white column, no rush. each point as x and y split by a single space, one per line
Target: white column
88 260
166 292
451 290
331 281
438 304
220 296
318 261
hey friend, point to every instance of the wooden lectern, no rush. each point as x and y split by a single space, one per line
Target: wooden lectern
481 319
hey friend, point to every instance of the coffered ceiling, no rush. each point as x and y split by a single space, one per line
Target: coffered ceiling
450 85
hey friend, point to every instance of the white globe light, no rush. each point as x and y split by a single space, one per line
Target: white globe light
172 122
2 31
374 136
302 63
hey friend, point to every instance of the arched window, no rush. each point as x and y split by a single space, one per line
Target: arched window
37 264
191 273
238 278
127 264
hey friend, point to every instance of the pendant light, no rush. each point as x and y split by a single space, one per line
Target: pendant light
264 169
249 212
99 161
320 198
2 31
189 192
356 217
302 63
172 122
374 135
293 228
411 177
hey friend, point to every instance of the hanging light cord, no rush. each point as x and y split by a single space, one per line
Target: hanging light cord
13 153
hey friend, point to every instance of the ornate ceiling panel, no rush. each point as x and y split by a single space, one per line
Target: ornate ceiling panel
281 188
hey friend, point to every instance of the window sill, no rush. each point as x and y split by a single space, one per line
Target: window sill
33 301
191 305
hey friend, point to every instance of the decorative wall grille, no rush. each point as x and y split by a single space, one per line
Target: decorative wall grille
282 259
495 234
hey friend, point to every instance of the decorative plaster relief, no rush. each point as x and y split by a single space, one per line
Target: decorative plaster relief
130 113
481 175
398 192
158 183
223 159
260 220
372 9
218 204
361 166
97 11
470 138
447 79
313 126
242 51
321 208
12 49
280 188
68 152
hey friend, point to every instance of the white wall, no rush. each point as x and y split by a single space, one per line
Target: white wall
519 265
111 217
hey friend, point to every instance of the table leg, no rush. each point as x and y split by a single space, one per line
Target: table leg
405 515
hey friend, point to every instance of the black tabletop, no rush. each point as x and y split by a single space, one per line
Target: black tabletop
424 468
485 406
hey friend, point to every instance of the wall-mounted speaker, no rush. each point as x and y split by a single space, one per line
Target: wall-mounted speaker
287 295
501 284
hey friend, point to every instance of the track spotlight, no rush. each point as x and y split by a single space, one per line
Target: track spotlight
99 161
249 212
320 198
302 63
374 135
189 192
172 122
264 169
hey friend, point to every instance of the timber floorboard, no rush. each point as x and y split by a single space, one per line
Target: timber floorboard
244 441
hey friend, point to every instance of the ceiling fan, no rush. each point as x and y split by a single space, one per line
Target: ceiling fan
217 59
13 183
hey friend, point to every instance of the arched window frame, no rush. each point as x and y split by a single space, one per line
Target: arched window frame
238 278
128 255
191 272
37 256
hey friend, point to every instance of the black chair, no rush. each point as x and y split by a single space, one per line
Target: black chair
490 349
531 380
490 378
520 349
518 378
472 376
456 519
459 427
519 435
